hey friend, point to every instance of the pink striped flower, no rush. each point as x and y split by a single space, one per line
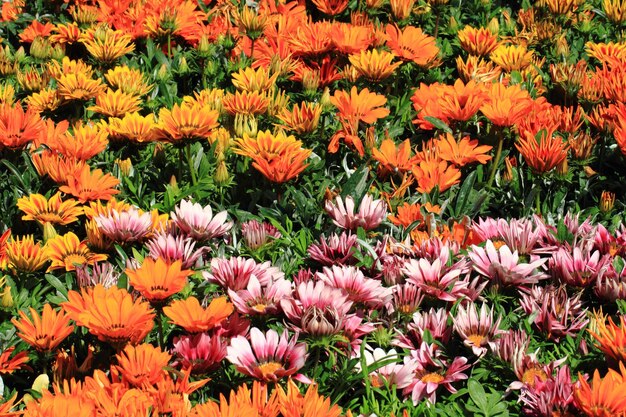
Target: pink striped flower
200 352
360 290
577 266
256 299
478 329
370 215
172 248
334 250
435 321
436 280
256 234
235 273
387 368
267 357
198 222
126 226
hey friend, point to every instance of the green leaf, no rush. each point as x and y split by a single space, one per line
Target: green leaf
357 185
438 123
57 284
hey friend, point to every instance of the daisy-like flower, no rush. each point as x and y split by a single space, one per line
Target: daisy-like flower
106 45
88 185
334 250
235 273
435 321
302 119
78 86
142 364
194 318
111 314
125 226
129 80
406 298
187 122
67 251
102 273
433 371
361 290
553 397
18 127
23 253
157 280
577 266
200 352
392 373
175 248
478 329
463 152
604 397
374 65
133 127
198 222
394 158
436 280
249 79
260 300
44 332
412 44
506 105
267 357
246 103
370 215
116 103
478 42
544 153
54 210
503 267
257 235
557 314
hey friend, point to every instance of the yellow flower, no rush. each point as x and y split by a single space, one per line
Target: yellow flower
116 103
25 255
374 65
107 45
512 57
54 210
66 251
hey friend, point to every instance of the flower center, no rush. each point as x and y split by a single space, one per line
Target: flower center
259 308
269 368
432 377
531 375
476 339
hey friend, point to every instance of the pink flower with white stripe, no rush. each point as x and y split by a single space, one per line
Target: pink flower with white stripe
387 368
577 266
435 279
435 321
267 357
256 299
360 290
172 248
478 329
235 273
198 222
370 215
126 226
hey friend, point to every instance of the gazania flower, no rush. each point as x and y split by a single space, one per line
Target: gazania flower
394 158
479 42
256 235
36 29
611 338
477 328
411 44
106 45
87 185
125 226
302 119
431 174
129 80
142 364
133 127
334 249
463 152
461 101
604 397
435 321
36 207
187 122
409 213
267 357
247 103
250 80
395 374
24 254
44 332
110 314
8 366
198 222
436 280
401 9
374 65
477 69
103 273
260 300
544 153
360 290
18 127
278 157
85 141
65 33
578 267
350 39
615 10
157 280
331 7
66 251
78 86
502 266
116 103
370 215
506 105
192 317
199 352
235 273
512 57
173 248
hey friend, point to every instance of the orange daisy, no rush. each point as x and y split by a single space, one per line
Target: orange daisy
142 364
54 210
24 254
157 280
611 338
394 158
85 141
463 152
407 213
431 174
18 127
604 397
244 102
129 80
78 87
350 39
192 317
374 65
506 105
544 153
44 332
107 45
302 119
461 101
512 57
133 127
411 44
187 122
116 103
87 185
67 251
249 79
480 42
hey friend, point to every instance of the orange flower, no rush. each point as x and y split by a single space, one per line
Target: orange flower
506 105
543 154
111 314
331 7
249 103
36 29
611 338
116 103
461 101
401 9
392 158
17 128
512 57
85 141
190 315
106 45
410 213
251 80
311 39
44 332
158 280
37 207
302 119
67 251
411 44
65 33
355 107
129 80
461 153
133 127
187 122
477 69
46 100
604 397
8 366
293 403
87 185
278 157
56 166
426 102
24 254
374 65
142 364
431 174
4 237
479 42
350 39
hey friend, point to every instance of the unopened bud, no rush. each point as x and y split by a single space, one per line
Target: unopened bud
49 231
607 201
221 173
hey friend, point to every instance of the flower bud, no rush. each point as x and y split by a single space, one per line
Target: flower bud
318 322
607 201
49 231
125 166
221 173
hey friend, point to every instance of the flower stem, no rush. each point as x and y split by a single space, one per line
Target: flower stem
496 160
160 329
192 169
538 202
